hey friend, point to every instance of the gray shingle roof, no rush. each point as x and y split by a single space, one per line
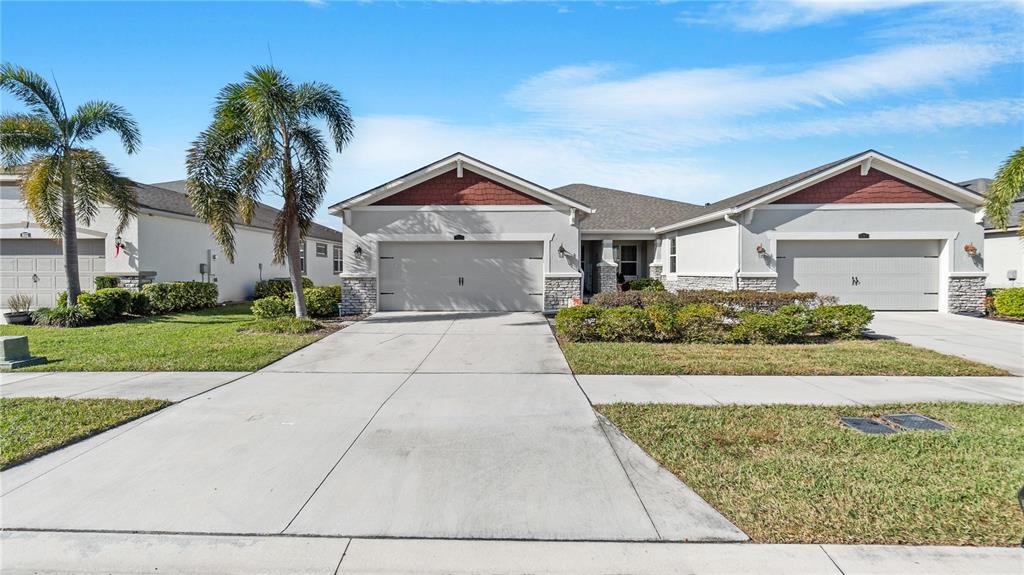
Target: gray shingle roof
981 185
170 197
619 210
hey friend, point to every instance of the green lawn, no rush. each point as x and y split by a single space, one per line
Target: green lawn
792 474
217 339
860 357
32 426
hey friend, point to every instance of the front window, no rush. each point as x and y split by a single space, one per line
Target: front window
302 257
337 259
321 250
628 260
672 256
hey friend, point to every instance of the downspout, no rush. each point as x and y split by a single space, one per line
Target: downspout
739 252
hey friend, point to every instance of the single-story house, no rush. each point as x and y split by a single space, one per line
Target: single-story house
1004 248
166 242
460 234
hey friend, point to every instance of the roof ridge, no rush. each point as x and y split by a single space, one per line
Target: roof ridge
637 194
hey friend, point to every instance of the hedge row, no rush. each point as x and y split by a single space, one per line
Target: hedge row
1009 302
732 301
110 304
320 302
711 323
281 287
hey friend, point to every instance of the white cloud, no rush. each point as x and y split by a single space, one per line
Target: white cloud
692 106
772 15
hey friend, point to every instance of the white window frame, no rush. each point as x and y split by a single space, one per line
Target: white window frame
636 261
339 259
302 257
672 255
318 246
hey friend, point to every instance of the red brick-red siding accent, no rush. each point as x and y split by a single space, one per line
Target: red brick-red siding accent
850 187
471 189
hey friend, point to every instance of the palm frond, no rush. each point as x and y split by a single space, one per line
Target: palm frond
21 134
96 182
319 100
93 118
1006 187
41 192
33 90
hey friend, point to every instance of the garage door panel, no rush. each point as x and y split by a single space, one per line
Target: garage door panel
496 276
883 275
36 269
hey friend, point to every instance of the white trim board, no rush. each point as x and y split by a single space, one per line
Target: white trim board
875 235
845 207
458 208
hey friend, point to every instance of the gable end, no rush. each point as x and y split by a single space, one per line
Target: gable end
448 189
849 187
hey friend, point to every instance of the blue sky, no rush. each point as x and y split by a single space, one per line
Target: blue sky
692 101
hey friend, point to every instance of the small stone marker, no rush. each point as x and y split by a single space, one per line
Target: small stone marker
14 352
866 425
914 422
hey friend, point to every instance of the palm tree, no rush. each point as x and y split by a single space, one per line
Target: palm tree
1007 186
64 182
261 138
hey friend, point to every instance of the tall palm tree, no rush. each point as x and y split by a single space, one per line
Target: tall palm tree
262 139
64 182
1007 186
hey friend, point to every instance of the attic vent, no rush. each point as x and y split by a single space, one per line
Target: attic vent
863 236
459 237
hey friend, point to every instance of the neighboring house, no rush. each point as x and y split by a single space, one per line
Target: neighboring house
460 234
166 242
1004 248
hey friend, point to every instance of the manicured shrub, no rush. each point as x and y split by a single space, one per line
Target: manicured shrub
578 323
104 282
322 301
663 321
625 324
290 325
273 306
1009 302
139 304
732 301
787 325
66 316
614 299
646 284
700 323
62 299
278 286
166 297
105 304
840 321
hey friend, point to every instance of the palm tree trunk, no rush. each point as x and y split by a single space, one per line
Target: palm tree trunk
70 233
291 214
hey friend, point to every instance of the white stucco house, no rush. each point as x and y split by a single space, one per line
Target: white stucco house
1004 248
166 242
460 234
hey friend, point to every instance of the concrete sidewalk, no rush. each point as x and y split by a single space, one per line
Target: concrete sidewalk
55 552
169 385
798 390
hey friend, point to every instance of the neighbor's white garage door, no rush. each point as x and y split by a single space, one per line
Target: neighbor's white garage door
462 276
36 267
883 275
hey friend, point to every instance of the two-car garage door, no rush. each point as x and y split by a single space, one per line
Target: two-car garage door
462 276
881 274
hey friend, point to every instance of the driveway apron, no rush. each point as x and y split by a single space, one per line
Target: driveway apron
404 425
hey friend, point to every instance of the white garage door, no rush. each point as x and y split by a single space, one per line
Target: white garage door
36 267
883 275
462 276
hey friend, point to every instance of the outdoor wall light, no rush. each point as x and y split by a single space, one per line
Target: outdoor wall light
358 251
562 251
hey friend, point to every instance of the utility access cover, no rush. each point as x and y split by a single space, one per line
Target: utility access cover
914 422
866 425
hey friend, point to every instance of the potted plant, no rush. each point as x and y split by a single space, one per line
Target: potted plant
971 249
19 314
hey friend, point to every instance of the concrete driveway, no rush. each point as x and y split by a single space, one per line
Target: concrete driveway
405 425
988 341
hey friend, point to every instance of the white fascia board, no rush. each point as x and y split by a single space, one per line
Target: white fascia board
459 208
877 161
875 235
431 171
618 234
1001 231
10 178
851 207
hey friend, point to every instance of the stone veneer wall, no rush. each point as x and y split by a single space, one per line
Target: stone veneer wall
966 294
759 284
606 275
698 282
558 292
134 282
358 295
654 272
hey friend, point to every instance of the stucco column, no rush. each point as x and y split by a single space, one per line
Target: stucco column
607 269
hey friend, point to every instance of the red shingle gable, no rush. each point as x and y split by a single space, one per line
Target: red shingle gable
850 187
471 189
